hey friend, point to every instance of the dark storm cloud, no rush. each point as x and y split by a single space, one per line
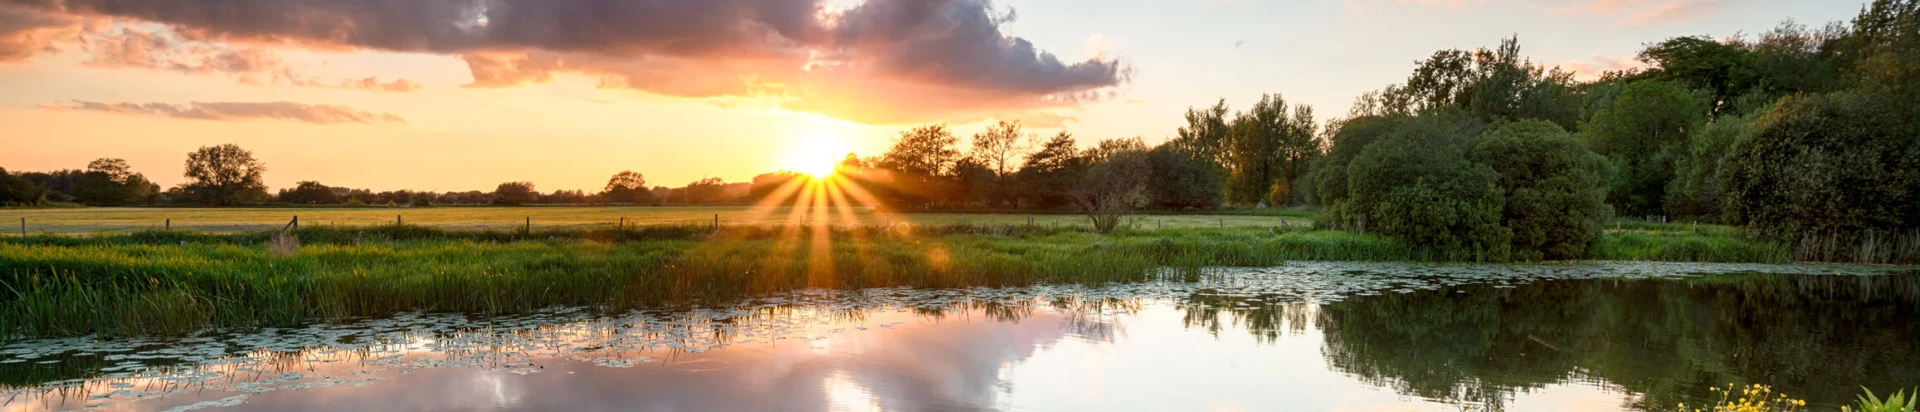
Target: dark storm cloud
891 52
959 42
310 113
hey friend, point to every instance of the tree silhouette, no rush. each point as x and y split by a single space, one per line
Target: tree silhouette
628 187
515 194
225 175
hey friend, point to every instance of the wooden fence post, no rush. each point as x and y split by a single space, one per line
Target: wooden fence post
529 227
169 224
23 227
296 222
398 221
716 221
623 223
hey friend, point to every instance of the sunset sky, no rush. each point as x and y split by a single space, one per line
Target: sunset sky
454 95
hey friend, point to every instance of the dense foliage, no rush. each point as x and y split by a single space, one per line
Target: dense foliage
225 175
1644 133
1418 183
1554 196
1834 164
1181 179
16 190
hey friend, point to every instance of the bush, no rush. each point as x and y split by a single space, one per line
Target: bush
1418 183
1554 188
1842 164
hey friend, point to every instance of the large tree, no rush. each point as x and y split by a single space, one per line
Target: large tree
1643 133
1488 84
922 151
112 182
1000 147
1723 70
1050 172
1207 133
998 150
627 187
921 163
225 175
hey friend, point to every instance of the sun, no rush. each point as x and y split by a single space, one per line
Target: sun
815 156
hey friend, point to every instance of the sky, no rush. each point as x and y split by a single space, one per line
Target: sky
455 95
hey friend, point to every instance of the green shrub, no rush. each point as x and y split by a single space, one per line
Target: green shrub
1554 188
1418 183
1842 165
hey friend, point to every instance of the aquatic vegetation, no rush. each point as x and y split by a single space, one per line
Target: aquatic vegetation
1755 398
1897 402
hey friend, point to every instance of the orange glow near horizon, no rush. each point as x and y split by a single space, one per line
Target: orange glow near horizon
816 156
820 217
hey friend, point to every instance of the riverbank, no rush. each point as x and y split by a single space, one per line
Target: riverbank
173 282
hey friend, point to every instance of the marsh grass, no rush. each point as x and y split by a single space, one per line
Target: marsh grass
177 282
1869 247
1631 239
169 283
1688 247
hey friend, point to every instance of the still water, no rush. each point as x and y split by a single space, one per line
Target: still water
1306 336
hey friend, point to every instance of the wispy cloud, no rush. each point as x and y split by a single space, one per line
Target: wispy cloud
840 60
25 31
310 113
1597 65
1639 12
130 47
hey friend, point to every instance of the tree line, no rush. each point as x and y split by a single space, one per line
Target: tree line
1800 134
1797 133
228 175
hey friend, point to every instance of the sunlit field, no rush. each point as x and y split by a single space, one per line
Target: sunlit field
225 220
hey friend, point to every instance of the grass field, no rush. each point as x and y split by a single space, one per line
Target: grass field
80 221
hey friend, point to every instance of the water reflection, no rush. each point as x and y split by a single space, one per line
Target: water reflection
1817 337
1301 338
